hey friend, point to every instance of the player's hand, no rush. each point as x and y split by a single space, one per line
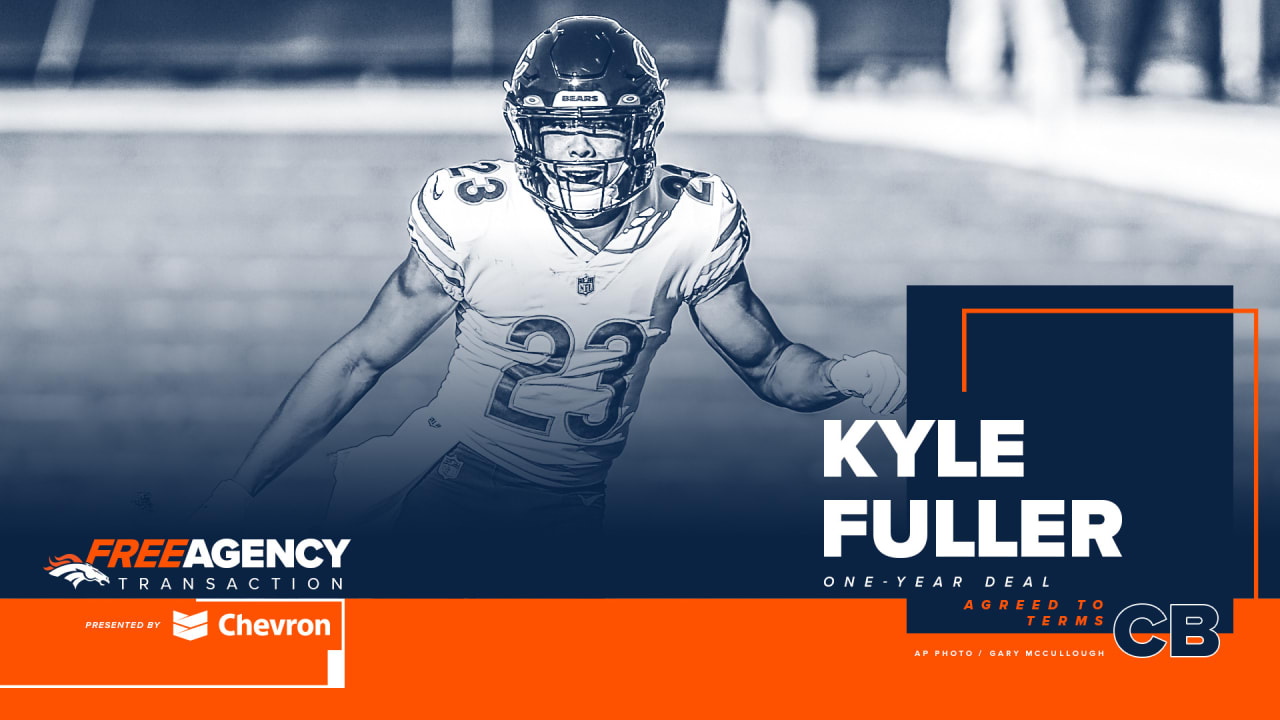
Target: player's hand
874 377
225 506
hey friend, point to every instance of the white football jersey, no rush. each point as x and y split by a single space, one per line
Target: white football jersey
554 336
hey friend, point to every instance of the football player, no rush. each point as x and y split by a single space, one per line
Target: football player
564 270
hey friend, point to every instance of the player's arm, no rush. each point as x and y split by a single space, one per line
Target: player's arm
737 324
411 304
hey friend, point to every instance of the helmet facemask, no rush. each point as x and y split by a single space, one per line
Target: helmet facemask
585 187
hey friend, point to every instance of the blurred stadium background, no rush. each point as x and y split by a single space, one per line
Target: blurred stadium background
199 197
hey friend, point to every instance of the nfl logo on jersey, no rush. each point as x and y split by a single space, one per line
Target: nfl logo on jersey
586 284
450 466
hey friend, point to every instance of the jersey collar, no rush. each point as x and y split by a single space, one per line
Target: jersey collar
638 226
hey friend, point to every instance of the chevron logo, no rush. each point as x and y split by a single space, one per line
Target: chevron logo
190 627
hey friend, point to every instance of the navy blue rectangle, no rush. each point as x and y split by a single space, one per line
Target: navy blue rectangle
1132 408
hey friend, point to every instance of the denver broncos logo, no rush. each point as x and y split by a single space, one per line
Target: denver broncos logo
71 568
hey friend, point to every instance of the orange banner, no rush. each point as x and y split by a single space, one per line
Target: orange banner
607 658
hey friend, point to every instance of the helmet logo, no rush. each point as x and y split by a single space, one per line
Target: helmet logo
644 59
629 99
524 60
532 101
571 98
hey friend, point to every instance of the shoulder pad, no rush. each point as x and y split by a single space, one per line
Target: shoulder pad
453 207
725 247
677 183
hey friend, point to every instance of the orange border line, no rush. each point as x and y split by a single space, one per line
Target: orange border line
964 367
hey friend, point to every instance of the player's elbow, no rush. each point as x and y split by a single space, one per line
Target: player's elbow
362 369
366 366
350 365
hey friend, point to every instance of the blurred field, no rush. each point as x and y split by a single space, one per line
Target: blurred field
161 293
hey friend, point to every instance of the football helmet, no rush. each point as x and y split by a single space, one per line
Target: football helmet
585 74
